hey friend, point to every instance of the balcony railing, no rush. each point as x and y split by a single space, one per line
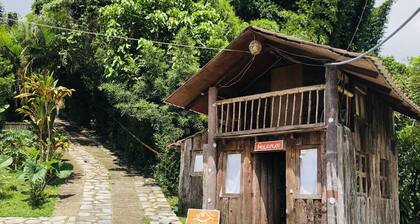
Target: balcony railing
280 111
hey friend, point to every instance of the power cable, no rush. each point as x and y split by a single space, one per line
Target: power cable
125 38
241 74
358 24
377 45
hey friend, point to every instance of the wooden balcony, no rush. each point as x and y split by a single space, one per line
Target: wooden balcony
291 110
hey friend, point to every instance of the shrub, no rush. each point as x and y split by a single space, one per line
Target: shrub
38 175
5 161
42 101
17 144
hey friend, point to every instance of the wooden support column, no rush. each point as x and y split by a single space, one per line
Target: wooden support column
331 119
210 155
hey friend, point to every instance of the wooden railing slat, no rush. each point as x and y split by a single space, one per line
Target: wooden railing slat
286 111
258 113
252 115
239 116
272 111
227 117
293 109
265 112
309 107
278 117
233 117
245 118
301 107
317 105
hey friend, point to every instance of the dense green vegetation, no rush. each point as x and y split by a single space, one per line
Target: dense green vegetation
122 82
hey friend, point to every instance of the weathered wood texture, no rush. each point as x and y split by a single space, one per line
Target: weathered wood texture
14 126
334 206
296 108
376 135
263 194
305 208
191 184
210 155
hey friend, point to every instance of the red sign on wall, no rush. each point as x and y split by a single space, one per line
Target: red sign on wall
268 146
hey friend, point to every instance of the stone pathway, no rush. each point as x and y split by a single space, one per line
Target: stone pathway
154 202
110 192
96 203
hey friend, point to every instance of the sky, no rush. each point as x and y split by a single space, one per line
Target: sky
402 46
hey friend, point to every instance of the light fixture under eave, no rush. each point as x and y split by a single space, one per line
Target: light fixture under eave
255 47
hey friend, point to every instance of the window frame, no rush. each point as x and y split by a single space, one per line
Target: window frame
223 190
384 180
318 194
192 163
361 174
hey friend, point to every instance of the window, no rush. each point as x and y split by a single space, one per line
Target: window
384 178
362 167
308 171
233 174
360 103
197 163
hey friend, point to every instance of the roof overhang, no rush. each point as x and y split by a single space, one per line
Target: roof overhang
192 95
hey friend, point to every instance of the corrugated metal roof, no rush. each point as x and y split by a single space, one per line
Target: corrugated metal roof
192 96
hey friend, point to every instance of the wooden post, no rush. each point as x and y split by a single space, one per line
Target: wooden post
331 119
210 155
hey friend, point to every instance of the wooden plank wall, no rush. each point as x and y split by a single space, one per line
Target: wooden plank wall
371 208
263 188
190 186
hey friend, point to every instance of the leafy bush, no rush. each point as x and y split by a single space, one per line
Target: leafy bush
42 101
17 144
5 161
38 175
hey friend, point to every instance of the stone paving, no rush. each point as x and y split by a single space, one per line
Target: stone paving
153 202
97 202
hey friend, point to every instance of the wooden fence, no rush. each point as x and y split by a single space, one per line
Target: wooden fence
14 126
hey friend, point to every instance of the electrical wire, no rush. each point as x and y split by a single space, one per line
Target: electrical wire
291 59
124 38
262 74
377 45
358 24
241 74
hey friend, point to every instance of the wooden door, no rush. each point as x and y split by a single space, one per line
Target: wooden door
304 208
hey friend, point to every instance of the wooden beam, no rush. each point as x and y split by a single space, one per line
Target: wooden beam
210 155
331 121
274 130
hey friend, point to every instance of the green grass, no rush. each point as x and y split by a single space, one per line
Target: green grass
183 219
14 199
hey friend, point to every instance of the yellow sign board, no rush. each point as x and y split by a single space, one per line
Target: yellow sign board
202 216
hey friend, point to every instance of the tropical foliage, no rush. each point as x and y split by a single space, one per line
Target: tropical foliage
407 77
17 144
121 82
42 101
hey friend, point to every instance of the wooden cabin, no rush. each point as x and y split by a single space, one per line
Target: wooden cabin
289 139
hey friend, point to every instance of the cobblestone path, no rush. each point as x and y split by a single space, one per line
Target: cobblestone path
111 193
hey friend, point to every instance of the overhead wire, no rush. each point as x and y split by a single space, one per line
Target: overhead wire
377 45
125 38
262 74
358 24
241 74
